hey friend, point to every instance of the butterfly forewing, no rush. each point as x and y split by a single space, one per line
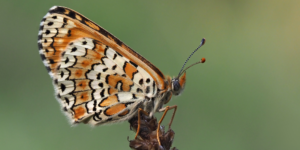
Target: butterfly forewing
97 78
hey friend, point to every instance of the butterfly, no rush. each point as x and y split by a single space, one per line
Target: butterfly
97 78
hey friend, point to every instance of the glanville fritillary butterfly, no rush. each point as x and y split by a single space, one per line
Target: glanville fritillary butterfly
97 78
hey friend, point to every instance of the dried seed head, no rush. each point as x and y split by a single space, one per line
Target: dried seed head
147 139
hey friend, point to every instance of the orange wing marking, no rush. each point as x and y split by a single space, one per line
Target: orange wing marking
129 70
82 97
79 112
82 85
115 109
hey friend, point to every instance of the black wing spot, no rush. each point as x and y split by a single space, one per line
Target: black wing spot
62 74
114 67
100 85
72 14
141 82
105 69
99 76
74 49
138 90
67 60
84 43
54 17
62 87
47 32
50 23
51 61
102 93
115 56
148 80
69 34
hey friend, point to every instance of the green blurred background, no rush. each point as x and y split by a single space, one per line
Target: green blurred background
245 97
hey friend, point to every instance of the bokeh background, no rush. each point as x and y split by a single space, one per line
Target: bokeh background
245 97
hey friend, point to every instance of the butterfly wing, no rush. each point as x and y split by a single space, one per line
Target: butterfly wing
97 78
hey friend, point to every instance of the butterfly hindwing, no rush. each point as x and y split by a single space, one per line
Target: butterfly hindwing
97 78
96 84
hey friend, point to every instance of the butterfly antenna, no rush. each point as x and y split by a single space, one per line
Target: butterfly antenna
201 61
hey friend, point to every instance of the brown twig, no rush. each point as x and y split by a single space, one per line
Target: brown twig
147 138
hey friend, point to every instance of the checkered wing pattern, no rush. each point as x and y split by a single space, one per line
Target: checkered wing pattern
97 78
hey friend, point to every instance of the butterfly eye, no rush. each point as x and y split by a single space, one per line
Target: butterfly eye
176 85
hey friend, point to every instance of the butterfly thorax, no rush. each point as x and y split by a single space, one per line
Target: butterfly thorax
162 96
173 86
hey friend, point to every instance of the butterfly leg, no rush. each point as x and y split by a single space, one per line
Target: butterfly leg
166 109
139 120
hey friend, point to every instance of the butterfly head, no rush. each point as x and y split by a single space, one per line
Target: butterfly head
178 82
